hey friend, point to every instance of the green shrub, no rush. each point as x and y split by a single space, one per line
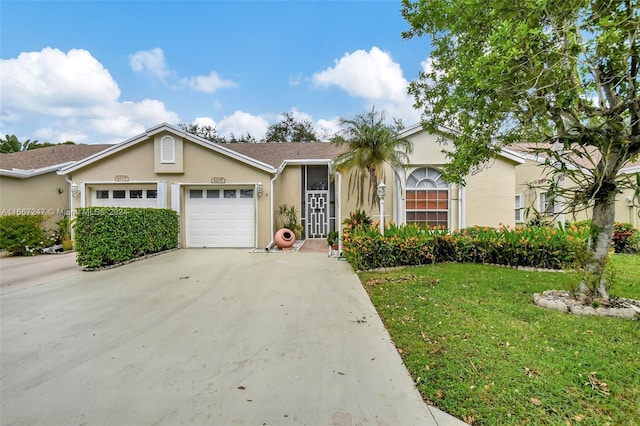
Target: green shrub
624 238
539 246
22 235
108 235
358 219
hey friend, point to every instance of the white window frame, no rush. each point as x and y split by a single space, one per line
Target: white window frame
167 150
519 208
545 206
432 181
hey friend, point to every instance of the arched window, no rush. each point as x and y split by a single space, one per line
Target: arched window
167 150
427 200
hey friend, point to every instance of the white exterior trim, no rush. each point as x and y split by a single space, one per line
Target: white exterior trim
24 173
161 187
176 131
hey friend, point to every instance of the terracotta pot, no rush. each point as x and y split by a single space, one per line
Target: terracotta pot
284 238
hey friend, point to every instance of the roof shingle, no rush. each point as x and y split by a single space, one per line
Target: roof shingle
48 156
275 154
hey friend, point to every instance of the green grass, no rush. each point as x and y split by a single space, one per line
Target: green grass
479 349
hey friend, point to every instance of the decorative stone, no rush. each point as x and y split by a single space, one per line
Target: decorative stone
563 301
543 302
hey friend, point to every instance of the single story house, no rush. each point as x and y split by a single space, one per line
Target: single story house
227 195
29 180
531 193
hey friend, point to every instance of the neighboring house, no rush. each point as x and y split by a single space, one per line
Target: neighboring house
29 182
226 195
531 193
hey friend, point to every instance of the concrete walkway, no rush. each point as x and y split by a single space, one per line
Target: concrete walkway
204 337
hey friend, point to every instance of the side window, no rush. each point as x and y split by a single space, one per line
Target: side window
519 208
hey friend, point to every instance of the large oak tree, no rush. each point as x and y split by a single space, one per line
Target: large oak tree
562 74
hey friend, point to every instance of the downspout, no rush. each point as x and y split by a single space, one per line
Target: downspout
338 195
271 227
70 182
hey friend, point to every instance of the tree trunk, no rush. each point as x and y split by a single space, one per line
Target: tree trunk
603 217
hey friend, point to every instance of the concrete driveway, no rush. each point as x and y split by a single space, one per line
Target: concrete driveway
204 337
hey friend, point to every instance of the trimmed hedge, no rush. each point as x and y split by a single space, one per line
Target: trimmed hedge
23 235
538 247
108 235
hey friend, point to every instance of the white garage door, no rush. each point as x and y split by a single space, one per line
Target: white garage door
124 198
220 217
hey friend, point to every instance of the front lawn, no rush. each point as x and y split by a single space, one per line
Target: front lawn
479 349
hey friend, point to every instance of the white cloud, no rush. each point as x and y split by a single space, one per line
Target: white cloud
299 115
208 83
151 62
374 77
327 128
64 95
371 75
204 121
295 80
52 82
239 123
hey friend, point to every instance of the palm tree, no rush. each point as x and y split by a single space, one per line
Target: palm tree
370 144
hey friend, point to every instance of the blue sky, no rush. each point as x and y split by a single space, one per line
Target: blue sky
103 71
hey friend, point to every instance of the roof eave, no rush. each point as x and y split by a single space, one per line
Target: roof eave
24 174
177 131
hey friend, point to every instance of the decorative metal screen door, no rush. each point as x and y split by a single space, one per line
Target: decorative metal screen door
317 214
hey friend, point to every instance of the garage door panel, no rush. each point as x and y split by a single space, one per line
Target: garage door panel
220 222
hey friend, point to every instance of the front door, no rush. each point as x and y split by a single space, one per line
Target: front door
319 209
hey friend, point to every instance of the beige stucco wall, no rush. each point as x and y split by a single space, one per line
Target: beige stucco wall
427 149
528 173
490 195
287 191
348 202
626 211
201 165
532 171
35 195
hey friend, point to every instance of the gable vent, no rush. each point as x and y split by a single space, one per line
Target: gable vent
167 150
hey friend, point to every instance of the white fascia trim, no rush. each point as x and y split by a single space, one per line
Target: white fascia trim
310 162
23 174
112 182
176 131
102 154
417 128
512 155
216 184
211 145
230 153
630 170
